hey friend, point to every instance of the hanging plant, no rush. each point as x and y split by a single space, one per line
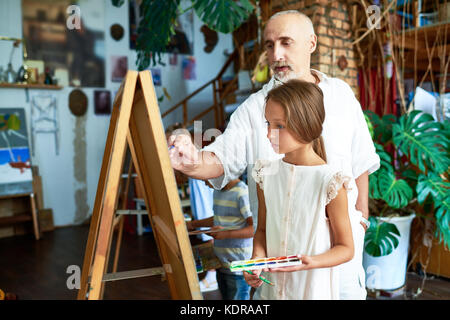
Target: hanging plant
158 19
156 27
117 3
223 15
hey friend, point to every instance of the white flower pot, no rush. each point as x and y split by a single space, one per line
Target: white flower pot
389 272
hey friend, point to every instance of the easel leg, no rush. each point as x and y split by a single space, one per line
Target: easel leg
122 218
35 217
118 243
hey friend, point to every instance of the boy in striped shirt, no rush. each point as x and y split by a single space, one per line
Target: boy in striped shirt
231 212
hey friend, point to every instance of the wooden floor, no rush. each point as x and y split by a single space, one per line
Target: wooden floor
35 270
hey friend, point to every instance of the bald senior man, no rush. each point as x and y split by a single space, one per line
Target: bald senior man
289 41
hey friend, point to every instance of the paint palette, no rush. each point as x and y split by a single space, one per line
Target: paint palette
274 262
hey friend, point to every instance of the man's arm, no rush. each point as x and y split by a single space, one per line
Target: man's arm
362 203
365 160
227 157
185 157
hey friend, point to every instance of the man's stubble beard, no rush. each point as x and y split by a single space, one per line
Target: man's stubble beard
283 77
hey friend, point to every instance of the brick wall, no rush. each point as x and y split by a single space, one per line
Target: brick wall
331 21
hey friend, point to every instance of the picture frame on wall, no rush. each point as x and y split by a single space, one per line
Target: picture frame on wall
119 68
156 75
102 102
79 51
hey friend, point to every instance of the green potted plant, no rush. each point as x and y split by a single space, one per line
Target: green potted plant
412 181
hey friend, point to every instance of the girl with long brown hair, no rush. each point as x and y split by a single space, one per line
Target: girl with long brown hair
302 208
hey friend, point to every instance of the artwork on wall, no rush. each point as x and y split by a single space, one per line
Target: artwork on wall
188 66
173 59
78 48
156 75
15 162
102 101
181 42
77 102
44 118
119 67
211 38
116 31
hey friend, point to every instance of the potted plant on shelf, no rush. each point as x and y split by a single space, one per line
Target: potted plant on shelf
412 181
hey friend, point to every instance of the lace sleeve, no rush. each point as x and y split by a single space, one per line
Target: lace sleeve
258 172
337 181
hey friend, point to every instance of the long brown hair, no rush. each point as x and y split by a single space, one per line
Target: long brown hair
302 102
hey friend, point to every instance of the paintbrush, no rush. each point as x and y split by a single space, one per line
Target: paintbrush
261 277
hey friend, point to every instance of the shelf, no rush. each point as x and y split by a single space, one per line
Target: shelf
425 33
17 195
15 219
30 86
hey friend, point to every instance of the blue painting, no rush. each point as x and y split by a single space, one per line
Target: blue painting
15 162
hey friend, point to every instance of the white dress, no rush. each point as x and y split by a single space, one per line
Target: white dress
296 223
346 139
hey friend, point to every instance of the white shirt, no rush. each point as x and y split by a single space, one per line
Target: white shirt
348 144
296 223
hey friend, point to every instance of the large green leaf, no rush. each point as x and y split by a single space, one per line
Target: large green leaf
433 185
411 176
385 158
223 15
381 238
382 127
387 121
442 215
369 125
396 192
423 140
374 192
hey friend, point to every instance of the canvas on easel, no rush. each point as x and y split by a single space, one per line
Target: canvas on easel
136 121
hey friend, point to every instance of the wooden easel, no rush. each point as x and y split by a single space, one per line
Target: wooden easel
136 120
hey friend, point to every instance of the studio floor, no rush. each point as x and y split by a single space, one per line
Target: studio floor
37 270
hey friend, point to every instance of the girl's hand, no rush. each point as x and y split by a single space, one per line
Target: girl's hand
253 280
307 264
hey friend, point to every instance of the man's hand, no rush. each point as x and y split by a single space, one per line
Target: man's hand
362 203
183 154
364 225
186 158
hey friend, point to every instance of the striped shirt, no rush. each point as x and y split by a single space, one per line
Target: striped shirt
231 210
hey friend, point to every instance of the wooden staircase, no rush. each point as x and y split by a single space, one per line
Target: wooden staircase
221 89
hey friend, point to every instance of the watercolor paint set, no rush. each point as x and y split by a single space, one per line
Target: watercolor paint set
274 262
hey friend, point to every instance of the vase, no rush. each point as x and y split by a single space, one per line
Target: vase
389 272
